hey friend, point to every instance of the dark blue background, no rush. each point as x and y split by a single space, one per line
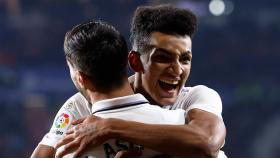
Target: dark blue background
236 54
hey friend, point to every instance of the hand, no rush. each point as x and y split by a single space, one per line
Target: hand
89 132
134 153
128 153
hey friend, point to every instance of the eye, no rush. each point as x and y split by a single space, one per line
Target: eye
185 59
161 57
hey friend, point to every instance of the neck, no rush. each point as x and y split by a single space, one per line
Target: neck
120 92
136 82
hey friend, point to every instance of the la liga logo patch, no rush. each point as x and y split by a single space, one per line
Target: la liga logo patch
62 120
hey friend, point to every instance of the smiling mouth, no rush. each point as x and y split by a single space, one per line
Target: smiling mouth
168 84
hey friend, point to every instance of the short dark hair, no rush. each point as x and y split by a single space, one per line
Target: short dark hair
161 18
99 51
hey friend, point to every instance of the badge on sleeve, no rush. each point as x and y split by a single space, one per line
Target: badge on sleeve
62 120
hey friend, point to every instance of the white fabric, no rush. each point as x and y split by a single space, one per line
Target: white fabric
132 108
74 108
144 113
200 97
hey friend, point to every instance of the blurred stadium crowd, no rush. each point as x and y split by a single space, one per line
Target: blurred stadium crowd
237 54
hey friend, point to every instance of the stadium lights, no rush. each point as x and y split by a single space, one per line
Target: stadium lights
220 7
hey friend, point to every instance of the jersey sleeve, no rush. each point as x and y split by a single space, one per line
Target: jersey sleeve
174 117
61 124
204 98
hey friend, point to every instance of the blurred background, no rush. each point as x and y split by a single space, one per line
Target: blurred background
236 51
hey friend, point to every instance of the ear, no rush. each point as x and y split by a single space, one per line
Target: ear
82 79
135 61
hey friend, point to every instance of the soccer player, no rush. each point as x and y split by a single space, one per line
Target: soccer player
161 56
92 50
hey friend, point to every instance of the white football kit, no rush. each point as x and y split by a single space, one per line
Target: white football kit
76 107
199 97
134 108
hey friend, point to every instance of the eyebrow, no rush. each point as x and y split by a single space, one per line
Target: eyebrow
188 52
162 50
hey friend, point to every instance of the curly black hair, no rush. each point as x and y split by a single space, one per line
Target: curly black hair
161 18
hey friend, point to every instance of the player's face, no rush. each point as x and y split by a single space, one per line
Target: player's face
166 66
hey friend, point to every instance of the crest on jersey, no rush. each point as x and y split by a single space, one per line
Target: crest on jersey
69 106
62 120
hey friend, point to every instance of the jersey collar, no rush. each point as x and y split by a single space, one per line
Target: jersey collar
120 102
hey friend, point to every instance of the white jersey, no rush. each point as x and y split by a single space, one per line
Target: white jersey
134 108
74 108
200 97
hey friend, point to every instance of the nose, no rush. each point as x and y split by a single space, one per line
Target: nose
177 68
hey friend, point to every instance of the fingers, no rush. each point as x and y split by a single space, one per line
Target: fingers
75 122
68 148
128 153
66 139
73 130
121 154
71 134
81 149
70 131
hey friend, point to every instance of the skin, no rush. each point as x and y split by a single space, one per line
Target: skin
43 151
84 85
170 61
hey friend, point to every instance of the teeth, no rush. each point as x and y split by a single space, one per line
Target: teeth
170 81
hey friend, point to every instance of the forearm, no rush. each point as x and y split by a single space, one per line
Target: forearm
203 136
182 141
43 151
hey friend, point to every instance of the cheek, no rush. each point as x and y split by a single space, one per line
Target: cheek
159 68
150 77
186 72
152 73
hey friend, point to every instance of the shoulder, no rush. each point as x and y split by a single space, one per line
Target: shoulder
198 92
201 97
77 105
70 109
77 99
74 108
199 89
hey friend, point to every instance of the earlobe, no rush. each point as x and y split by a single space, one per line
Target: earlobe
135 61
85 82
81 79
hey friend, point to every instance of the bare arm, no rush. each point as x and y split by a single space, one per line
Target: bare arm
202 137
43 151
